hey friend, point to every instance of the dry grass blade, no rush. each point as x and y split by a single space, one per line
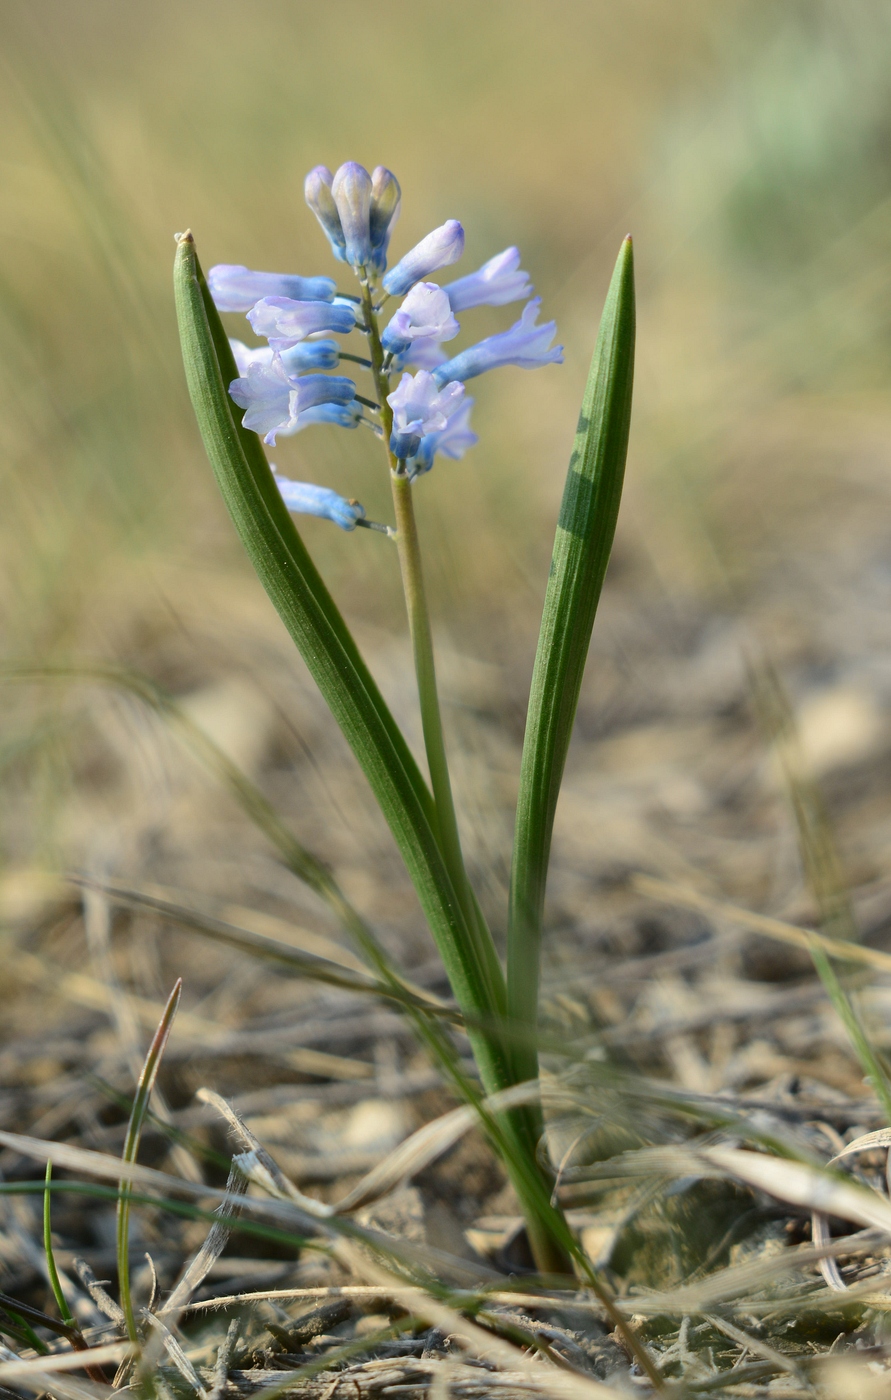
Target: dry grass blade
177 1356
753 1344
213 1246
270 1175
801 1185
266 925
223 1360
428 1143
686 898
564 1385
66 1361
108 1168
298 963
820 1225
743 1280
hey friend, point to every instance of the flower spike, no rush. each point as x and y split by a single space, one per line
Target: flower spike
237 288
351 189
525 344
440 248
497 282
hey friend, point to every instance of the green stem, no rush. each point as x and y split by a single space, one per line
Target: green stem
409 547
521 1129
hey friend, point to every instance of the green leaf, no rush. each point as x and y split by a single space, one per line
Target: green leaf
582 545
323 639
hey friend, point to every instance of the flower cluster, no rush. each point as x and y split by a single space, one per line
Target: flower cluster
286 384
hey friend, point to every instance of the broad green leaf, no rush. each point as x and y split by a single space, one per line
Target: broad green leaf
584 538
311 617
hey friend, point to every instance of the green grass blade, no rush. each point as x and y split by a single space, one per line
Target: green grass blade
308 612
131 1148
582 547
55 1282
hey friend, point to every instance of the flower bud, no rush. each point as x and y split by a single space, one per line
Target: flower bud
351 189
385 198
317 192
439 249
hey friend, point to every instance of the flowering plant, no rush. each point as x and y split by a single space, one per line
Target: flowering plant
417 405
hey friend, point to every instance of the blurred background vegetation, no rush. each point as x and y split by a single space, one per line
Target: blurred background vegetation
744 144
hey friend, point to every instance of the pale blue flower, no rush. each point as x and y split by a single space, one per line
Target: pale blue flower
351 190
421 354
306 499
525 344
385 199
237 288
420 407
264 392
308 390
247 355
456 438
311 354
497 282
440 248
274 400
424 315
285 322
340 415
317 192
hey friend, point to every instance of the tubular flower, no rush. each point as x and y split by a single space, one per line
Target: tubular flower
340 415
237 288
497 282
421 354
424 315
351 190
440 248
247 355
273 400
525 344
285 322
420 407
306 499
311 354
317 192
385 200
453 441
264 393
